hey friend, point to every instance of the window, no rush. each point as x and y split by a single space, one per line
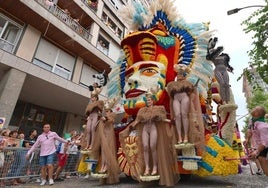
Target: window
61 71
112 22
9 34
52 58
86 76
103 45
93 4
104 17
119 33
114 4
42 64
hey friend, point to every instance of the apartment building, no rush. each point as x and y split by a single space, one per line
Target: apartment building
256 82
49 51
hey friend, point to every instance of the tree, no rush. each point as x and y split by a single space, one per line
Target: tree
259 98
257 23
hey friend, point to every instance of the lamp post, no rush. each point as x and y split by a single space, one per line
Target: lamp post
233 11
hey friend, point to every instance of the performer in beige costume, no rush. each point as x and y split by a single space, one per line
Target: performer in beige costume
93 112
104 148
185 108
157 138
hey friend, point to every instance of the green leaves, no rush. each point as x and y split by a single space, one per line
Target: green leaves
257 24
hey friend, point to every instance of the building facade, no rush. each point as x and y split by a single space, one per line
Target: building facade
49 51
256 82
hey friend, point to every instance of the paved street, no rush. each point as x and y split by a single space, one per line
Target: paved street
244 180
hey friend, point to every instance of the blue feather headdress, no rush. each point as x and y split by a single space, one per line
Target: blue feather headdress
192 36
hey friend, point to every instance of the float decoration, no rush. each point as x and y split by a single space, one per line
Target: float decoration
161 38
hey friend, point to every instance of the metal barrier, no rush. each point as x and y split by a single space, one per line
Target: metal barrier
13 164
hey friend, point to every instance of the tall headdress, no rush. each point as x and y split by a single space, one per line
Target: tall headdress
151 93
109 104
95 92
159 33
182 69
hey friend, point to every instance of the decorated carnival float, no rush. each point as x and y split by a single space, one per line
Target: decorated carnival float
166 79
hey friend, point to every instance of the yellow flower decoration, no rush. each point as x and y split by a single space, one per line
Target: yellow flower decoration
213 159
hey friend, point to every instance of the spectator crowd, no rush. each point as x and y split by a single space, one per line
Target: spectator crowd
15 165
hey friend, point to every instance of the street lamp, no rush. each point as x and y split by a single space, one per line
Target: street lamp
233 11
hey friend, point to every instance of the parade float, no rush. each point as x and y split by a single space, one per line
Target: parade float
160 39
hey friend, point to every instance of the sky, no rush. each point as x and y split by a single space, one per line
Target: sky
230 35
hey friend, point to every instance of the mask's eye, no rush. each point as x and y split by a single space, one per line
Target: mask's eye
149 72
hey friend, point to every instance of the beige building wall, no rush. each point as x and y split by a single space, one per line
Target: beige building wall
100 8
28 43
72 122
94 29
10 87
77 70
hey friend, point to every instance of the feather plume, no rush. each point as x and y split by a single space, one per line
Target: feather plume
193 36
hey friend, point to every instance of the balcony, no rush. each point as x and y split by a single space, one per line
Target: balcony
65 17
66 34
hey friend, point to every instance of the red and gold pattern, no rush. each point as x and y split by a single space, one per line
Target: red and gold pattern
128 156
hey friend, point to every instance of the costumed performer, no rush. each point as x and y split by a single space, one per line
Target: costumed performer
222 66
185 108
157 137
104 146
93 113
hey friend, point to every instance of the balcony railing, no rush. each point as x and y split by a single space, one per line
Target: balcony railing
67 19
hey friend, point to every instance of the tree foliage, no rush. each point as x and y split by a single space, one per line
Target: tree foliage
257 24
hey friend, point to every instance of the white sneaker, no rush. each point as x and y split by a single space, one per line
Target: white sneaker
43 182
86 176
38 181
51 182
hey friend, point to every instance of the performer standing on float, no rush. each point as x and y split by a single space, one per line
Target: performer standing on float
103 148
185 106
221 62
156 136
148 116
179 91
93 112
